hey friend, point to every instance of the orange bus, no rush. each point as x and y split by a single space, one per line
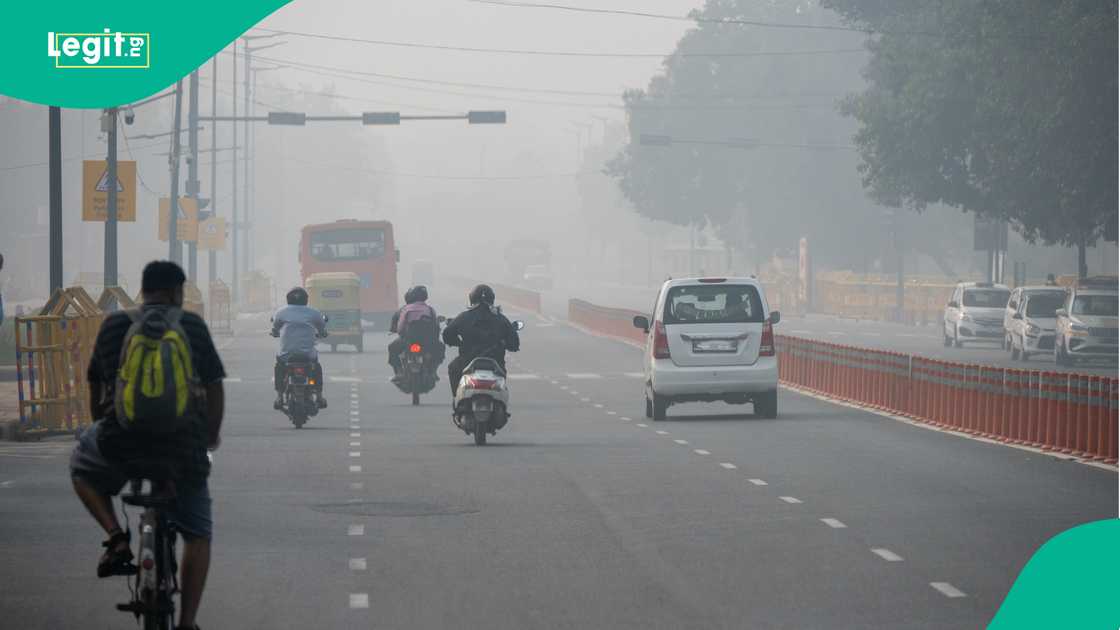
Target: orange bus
362 247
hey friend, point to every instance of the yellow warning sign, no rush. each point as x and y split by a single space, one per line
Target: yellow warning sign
95 190
212 233
187 228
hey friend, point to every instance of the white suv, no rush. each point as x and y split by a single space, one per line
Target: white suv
710 339
975 313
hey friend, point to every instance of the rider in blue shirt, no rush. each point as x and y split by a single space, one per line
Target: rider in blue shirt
298 326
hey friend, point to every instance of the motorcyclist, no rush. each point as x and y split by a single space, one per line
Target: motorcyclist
298 325
481 330
415 322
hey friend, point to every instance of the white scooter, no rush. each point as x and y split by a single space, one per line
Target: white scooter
482 400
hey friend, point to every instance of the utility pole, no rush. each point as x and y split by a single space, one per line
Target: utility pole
175 253
245 187
54 139
236 288
212 257
109 125
192 172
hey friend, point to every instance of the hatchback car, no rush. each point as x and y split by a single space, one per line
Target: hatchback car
1031 330
1018 298
975 313
1086 325
708 340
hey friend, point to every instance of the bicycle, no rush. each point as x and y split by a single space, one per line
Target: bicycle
156 581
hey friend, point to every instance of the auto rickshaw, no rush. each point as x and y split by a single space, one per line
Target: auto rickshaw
336 295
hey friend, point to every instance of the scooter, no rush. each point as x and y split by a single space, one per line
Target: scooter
482 399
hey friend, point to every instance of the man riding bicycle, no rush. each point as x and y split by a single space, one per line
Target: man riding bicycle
99 464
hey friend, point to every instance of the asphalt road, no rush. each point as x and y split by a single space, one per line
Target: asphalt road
579 514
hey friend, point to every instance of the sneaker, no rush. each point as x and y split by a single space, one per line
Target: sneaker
322 402
117 559
278 404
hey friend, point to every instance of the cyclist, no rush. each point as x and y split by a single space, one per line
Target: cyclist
99 461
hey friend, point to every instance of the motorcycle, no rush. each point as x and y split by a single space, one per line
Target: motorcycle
482 400
418 368
300 399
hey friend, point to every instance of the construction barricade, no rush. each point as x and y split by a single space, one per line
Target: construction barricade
221 317
52 352
613 322
521 298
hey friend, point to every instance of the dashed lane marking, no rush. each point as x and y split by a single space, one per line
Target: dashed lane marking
585 400
355 453
886 554
355 444
524 377
598 406
757 482
682 442
359 600
643 425
357 485
790 500
833 523
662 432
6 484
344 379
355 469
700 451
625 418
728 465
357 564
354 412
583 375
355 434
947 589
356 530
231 379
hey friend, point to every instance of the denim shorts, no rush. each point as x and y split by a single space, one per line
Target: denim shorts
190 512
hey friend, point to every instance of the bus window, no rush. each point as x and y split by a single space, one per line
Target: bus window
350 244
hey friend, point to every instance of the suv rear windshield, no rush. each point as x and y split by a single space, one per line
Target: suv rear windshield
986 298
1044 305
713 304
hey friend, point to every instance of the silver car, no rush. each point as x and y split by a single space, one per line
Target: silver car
1086 325
1031 330
1018 299
975 313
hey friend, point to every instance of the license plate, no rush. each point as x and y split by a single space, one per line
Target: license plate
715 345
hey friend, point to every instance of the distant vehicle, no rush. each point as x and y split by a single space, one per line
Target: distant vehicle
975 313
336 296
521 253
710 339
537 277
1032 325
1087 323
423 272
1015 303
362 247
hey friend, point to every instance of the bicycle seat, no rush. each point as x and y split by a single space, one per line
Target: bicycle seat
484 363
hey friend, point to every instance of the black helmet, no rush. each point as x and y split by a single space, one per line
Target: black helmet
482 294
418 293
297 296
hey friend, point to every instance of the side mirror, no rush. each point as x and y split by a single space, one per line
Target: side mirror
775 317
1061 312
518 325
1017 316
641 321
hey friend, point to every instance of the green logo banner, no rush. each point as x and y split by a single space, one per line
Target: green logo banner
101 54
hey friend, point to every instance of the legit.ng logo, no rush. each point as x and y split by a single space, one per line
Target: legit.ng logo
104 50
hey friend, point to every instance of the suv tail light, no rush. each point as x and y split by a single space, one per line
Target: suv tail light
766 346
660 341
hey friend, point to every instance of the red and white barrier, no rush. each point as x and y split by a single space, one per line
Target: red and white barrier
613 322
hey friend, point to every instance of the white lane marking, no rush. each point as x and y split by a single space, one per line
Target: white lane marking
681 442
355 444
625 418
662 432
640 424
357 485
355 453
555 382
886 554
947 589
801 332
355 469
356 530
357 564
573 392
231 379
344 379
6 484
728 465
355 434
564 387
359 600
353 395
583 375
757 482
612 413
523 377
700 451
598 406
581 399
833 523
634 375
790 500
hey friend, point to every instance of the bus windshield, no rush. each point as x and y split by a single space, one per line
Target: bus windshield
348 244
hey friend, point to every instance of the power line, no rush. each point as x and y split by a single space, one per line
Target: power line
374 171
73 158
562 53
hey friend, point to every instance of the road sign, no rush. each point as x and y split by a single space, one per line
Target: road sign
187 229
212 233
95 190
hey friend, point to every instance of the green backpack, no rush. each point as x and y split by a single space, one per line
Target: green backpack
156 384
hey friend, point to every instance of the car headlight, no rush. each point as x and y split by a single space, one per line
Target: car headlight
965 317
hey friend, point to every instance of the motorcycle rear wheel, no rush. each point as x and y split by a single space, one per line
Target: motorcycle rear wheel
479 435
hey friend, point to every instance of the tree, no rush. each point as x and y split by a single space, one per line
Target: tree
1006 108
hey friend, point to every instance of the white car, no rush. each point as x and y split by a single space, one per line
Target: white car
710 339
537 277
1015 302
975 313
1031 330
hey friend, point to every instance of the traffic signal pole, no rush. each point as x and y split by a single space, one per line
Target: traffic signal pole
175 249
212 256
192 172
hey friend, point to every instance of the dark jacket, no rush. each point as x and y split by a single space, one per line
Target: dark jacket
480 331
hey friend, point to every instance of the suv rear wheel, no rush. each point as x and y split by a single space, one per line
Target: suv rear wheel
766 405
660 407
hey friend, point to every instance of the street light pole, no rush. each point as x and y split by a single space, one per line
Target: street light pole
236 288
192 172
212 256
54 138
175 249
248 57
109 274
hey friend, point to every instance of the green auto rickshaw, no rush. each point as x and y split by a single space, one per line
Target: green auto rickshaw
336 295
